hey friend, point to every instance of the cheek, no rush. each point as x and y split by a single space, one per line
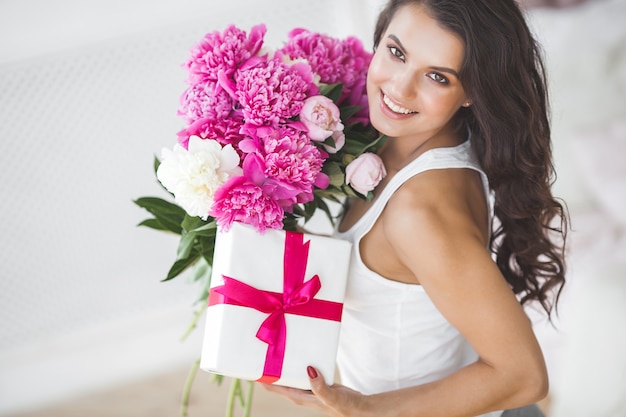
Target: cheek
372 85
441 102
371 93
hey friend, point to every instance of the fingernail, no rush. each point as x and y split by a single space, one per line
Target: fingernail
311 371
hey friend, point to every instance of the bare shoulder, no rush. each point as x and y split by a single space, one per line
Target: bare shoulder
439 204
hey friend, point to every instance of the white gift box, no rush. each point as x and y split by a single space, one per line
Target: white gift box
263 269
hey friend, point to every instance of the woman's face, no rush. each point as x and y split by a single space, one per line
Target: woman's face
412 82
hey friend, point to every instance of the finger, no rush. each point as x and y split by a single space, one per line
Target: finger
318 385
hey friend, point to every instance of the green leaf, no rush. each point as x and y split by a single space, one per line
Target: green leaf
324 207
201 270
352 147
349 191
357 144
204 291
199 226
331 193
330 141
207 248
156 163
290 222
298 210
332 91
168 214
159 205
181 265
153 224
335 174
376 144
185 246
347 112
309 210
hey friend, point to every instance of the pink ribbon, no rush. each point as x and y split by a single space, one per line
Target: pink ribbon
297 298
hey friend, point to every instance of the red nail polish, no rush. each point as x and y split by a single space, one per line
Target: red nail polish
311 371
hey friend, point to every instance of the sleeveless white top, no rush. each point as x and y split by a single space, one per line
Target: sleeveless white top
392 335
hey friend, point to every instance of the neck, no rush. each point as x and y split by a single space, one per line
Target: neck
398 152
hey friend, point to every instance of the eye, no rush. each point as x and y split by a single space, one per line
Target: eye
396 52
435 76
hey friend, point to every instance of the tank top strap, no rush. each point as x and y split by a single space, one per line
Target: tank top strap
459 156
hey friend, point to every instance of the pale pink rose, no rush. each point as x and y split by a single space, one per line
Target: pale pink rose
321 117
365 172
340 139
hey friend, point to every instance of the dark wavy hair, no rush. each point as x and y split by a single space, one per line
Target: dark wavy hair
504 76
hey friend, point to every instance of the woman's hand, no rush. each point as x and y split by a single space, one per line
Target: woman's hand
335 400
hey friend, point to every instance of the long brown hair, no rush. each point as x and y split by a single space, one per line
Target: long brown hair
504 76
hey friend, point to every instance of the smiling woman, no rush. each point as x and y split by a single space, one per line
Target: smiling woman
459 234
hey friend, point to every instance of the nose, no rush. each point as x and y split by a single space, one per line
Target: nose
404 85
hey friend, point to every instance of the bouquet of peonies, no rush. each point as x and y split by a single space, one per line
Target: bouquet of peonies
270 137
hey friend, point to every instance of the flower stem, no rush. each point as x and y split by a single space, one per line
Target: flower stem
187 389
194 321
235 388
248 407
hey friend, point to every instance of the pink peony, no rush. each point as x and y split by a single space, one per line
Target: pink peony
291 161
323 53
333 60
223 52
321 118
273 92
365 172
240 200
225 131
205 100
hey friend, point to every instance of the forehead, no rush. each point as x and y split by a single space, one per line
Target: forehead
423 36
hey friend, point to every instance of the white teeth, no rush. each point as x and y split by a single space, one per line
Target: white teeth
395 107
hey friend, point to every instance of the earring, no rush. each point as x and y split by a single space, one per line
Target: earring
467 104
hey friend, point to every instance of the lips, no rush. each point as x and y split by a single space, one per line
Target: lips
396 108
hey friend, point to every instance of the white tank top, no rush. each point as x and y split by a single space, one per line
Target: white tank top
392 335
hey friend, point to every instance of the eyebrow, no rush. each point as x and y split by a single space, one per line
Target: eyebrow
396 40
440 69
448 70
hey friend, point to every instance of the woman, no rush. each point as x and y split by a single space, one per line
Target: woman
431 326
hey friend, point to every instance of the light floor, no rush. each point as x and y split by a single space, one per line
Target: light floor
160 397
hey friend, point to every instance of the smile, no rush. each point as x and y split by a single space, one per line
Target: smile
396 108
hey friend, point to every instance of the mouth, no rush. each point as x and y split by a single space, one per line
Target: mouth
395 107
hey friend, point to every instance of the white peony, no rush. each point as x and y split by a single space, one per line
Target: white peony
194 174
